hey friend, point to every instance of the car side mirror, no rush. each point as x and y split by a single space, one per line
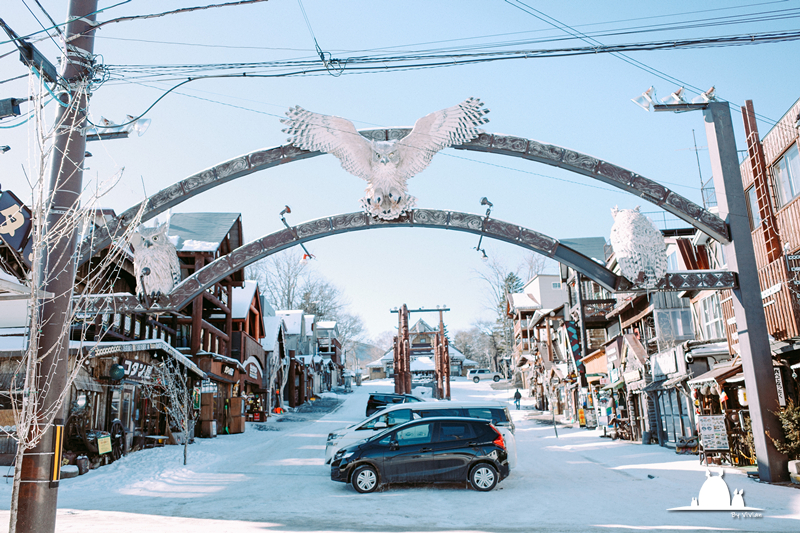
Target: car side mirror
394 445
380 425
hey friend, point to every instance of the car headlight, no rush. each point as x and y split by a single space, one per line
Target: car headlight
344 454
333 436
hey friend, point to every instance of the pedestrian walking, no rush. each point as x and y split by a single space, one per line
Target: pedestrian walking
517 398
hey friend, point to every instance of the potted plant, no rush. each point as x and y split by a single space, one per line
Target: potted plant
790 445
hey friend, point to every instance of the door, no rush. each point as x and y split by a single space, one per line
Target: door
455 446
410 456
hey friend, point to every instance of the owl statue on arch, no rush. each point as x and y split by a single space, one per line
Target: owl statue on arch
639 247
386 165
155 263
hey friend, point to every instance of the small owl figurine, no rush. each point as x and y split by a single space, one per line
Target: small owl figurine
639 247
155 263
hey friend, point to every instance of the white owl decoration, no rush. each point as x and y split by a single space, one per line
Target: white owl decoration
155 263
386 165
639 247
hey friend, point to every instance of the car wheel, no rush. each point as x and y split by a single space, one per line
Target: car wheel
476 379
496 379
365 479
483 477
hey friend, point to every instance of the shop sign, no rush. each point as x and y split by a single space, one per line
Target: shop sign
633 375
207 386
228 370
253 371
779 383
772 290
15 221
581 418
665 363
136 371
713 435
196 398
104 444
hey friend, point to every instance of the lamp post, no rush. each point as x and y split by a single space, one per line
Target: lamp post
748 306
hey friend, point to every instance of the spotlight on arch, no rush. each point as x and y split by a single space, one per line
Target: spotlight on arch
646 100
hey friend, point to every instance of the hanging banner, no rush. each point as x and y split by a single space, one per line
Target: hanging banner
15 221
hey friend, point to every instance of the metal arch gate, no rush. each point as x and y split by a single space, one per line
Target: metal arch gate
529 149
270 244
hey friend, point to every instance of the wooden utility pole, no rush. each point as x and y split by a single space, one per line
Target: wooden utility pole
38 493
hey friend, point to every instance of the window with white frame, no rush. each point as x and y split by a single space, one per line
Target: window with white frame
787 175
557 285
672 261
711 318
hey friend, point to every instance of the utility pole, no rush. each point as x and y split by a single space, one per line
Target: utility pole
38 494
748 306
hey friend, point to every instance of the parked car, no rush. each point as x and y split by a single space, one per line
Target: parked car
378 401
483 373
446 449
394 415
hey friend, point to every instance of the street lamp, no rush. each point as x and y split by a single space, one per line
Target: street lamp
748 306
108 130
307 255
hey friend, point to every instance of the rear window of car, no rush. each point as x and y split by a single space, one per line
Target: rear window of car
412 399
497 415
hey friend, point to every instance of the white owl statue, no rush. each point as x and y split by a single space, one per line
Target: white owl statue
386 165
639 247
155 263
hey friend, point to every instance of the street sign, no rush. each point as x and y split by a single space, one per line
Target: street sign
15 221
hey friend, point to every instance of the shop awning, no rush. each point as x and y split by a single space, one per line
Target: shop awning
718 374
614 386
675 381
595 378
654 386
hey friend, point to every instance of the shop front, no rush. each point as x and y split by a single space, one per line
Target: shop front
222 399
253 386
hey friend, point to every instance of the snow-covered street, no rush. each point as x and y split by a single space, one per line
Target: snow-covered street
273 478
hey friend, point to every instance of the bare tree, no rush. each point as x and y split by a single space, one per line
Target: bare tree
170 391
280 277
33 415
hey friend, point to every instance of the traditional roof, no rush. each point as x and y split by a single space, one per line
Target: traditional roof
422 364
523 301
272 329
204 232
292 319
422 327
241 299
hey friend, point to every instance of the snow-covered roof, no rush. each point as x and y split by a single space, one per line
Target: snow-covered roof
326 324
241 299
224 359
203 232
272 328
422 364
468 362
377 363
421 327
292 319
522 301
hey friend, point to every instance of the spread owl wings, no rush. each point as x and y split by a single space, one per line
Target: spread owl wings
431 133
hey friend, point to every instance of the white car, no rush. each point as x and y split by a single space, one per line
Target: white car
401 413
483 373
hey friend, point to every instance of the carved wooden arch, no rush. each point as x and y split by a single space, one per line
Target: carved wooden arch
273 243
548 154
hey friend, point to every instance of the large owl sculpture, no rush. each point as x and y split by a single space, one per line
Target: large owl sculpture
639 247
155 263
386 165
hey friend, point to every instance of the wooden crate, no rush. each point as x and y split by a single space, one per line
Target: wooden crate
237 424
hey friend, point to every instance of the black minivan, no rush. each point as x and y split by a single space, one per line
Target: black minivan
430 450
378 401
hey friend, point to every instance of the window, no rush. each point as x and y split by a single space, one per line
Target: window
455 431
390 419
419 434
439 412
787 175
752 208
557 285
711 318
672 261
495 415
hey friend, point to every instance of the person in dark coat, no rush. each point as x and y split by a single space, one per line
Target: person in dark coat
517 398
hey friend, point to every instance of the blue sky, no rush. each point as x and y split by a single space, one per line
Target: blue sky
582 103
